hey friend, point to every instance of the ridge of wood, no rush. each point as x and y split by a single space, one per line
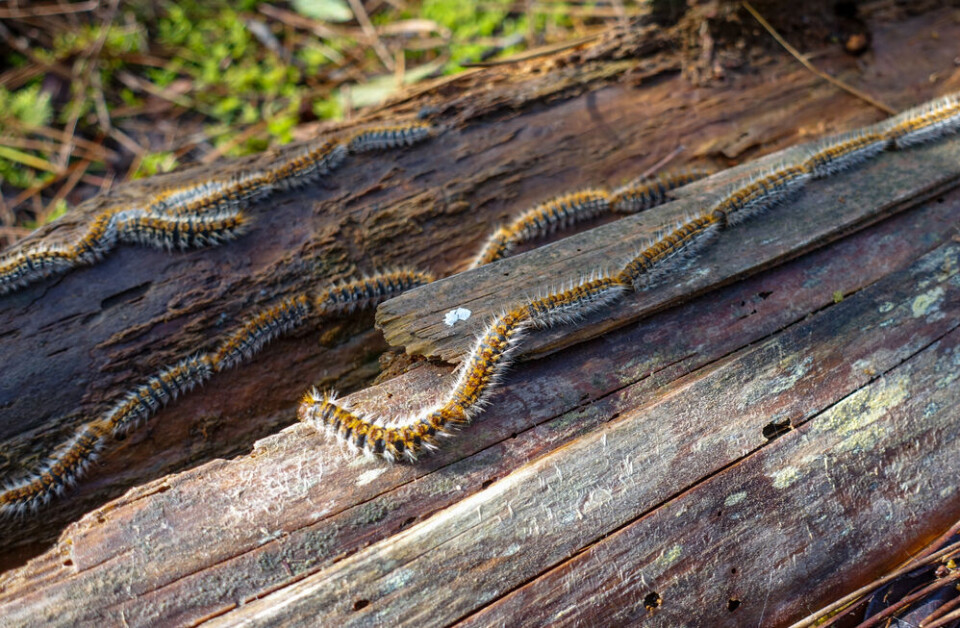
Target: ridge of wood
296 507
823 211
74 343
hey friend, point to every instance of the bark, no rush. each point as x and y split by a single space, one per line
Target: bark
686 411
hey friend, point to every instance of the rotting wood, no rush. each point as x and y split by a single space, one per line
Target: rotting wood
868 383
71 344
825 210
261 522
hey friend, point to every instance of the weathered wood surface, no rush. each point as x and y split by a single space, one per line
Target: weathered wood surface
517 134
200 543
213 539
826 210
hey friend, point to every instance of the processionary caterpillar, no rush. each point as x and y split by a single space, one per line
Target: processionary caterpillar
203 213
492 354
495 348
70 461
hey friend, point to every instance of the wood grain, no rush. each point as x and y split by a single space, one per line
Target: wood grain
825 210
868 383
217 537
209 541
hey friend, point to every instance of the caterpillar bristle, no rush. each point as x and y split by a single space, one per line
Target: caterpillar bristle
261 329
369 291
388 137
842 152
181 231
648 192
924 123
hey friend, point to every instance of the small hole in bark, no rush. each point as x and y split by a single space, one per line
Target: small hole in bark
360 604
68 563
163 489
408 522
652 601
733 604
940 200
733 570
765 294
776 429
487 484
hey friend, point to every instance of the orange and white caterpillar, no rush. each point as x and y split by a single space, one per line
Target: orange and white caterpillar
569 209
180 231
387 137
758 193
307 165
557 213
407 437
212 196
924 123
648 192
258 331
844 151
369 290
61 472
669 250
71 460
197 214
565 306
26 266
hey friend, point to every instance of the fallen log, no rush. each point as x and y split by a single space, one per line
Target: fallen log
285 512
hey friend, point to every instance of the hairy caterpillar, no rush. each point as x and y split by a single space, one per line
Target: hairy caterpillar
213 195
648 192
565 211
180 232
494 349
491 355
387 137
204 213
72 459
924 123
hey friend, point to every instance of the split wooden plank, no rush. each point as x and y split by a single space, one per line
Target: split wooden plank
871 380
515 134
825 210
257 523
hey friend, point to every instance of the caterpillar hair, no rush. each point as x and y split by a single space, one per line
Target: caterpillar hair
216 195
387 137
571 304
64 468
264 327
668 251
924 123
26 266
408 437
181 231
838 153
368 291
759 193
145 400
307 165
647 192
558 213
